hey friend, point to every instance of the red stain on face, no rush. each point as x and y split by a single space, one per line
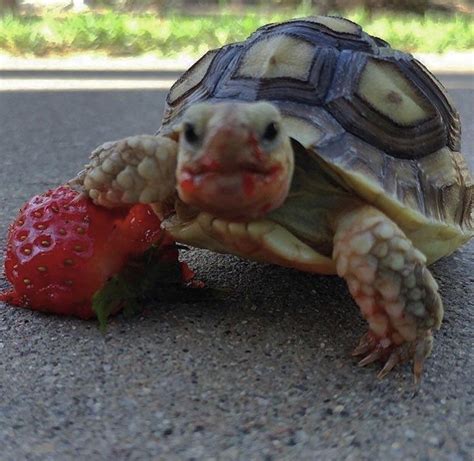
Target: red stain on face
234 177
273 172
187 182
210 164
248 184
258 153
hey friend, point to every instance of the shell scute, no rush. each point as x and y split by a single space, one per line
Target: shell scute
415 71
372 98
191 78
335 25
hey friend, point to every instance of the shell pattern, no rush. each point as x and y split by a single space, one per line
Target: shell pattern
372 112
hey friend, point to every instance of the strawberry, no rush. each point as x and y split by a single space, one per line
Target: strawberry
62 251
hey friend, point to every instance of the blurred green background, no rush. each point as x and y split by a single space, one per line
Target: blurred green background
168 28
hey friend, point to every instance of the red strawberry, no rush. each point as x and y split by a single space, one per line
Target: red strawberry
62 249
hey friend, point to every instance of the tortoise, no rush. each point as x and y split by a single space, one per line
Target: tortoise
315 146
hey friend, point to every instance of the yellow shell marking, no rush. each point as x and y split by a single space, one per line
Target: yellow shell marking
278 56
192 77
439 168
305 133
336 24
389 92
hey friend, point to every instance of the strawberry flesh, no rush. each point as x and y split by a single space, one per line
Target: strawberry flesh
62 249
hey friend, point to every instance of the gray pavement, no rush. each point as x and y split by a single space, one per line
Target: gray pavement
265 374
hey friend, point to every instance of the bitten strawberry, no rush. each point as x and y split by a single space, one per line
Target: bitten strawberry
62 249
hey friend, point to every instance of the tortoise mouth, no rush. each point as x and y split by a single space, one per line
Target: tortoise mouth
250 191
213 166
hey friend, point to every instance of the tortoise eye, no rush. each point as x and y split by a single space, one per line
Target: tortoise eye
271 132
190 133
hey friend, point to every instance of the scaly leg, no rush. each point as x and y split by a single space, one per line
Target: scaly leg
138 169
389 281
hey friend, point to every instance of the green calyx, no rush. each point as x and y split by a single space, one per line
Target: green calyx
150 276
155 276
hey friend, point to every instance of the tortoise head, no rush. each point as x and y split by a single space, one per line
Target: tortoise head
235 160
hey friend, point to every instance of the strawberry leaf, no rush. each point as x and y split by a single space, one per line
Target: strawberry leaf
108 299
153 276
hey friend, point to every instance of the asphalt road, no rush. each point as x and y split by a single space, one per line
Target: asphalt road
265 374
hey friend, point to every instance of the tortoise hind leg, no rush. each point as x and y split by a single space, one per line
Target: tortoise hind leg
389 281
138 169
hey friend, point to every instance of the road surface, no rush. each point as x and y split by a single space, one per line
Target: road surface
264 374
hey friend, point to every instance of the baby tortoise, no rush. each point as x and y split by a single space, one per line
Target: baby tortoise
316 146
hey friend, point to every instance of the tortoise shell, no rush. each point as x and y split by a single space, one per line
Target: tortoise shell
376 116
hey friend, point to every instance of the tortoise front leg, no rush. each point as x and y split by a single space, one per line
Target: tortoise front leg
388 278
138 169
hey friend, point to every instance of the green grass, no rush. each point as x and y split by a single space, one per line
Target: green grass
178 34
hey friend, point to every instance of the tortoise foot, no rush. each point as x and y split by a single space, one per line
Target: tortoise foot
137 169
389 281
374 348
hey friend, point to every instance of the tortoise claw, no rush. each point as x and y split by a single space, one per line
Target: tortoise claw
367 343
418 363
390 364
394 354
373 356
